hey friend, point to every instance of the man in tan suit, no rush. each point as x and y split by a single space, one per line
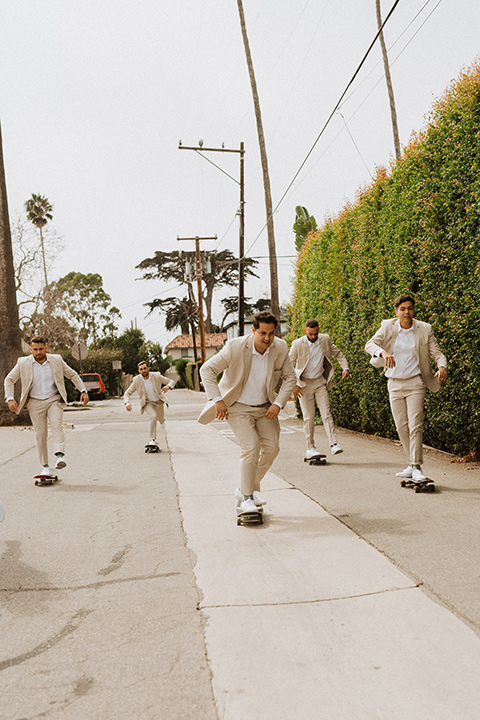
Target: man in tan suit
43 391
312 357
258 379
151 388
404 346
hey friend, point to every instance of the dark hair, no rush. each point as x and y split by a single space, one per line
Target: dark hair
142 362
311 323
264 317
39 340
405 297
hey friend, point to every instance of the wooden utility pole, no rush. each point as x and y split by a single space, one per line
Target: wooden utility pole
388 78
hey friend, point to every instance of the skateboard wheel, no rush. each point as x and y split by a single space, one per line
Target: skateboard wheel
417 488
239 522
402 483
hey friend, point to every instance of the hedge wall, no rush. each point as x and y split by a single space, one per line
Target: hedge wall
415 229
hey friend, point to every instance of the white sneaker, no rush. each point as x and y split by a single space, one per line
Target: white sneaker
407 473
311 452
257 500
335 449
152 442
46 470
248 505
61 463
417 475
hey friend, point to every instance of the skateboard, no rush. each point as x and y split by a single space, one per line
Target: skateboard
316 459
152 448
45 479
423 486
250 516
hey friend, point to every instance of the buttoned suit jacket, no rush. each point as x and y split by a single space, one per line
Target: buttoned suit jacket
235 361
426 347
300 355
23 371
137 385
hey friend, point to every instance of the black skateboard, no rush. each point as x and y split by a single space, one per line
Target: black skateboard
45 479
152 448
426 485
249 517
316 459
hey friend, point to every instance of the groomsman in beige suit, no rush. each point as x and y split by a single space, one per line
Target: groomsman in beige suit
258 379
151 388
312 357
43 392
404 346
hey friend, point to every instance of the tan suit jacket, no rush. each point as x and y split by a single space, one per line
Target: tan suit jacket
299 355
425 347
138 386
23 371
235 361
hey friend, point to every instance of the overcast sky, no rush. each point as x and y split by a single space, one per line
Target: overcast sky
95 95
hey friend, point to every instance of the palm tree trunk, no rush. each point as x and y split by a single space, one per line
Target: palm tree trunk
10 338
388 77
266 177
43 259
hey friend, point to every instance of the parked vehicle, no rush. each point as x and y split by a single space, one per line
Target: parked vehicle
94 385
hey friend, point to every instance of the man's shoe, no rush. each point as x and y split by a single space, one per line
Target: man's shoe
61 463
46 470
407 473
417 475
248 505
240 496
311 452
152 442
335 449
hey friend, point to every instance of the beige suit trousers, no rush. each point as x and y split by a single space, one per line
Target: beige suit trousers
406 400
43 412
316 390
156 413
259 442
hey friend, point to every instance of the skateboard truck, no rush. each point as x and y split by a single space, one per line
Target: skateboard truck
318 459
423 486
45 479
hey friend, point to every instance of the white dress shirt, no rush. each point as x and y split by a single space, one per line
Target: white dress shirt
406 363
255 390
150 391
43 385
314 368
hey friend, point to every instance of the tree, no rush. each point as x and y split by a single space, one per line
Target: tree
266 176
39 212
130 342
152 353
388 78
231 306
10 338
304 224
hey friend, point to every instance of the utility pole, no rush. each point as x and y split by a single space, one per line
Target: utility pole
241 249
198 273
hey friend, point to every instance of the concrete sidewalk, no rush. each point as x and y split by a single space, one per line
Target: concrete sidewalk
304 619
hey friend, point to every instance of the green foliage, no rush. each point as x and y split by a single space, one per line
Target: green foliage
99 361
180 366
152 352
303 225
416 229
130 343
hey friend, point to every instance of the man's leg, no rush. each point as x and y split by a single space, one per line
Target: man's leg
269 433
38 414
55 418
307 406
242 421
323 401
398 405
415 403
154 411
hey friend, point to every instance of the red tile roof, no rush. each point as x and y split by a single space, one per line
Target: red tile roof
212 340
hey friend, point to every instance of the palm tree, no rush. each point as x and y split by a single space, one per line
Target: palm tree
10 339
388 78
266 177
39 212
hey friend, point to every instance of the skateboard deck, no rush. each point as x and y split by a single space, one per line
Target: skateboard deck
424 486
45 479
316 459
250 516
152 448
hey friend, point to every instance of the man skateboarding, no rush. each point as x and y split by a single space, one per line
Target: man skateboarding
151 388
43 392
312 357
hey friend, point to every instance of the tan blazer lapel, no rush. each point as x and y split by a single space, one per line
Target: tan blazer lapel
247 360
417 331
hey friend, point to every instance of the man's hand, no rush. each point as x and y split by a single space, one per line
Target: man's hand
128 407
345 374
272 412
441 374
12 406
221 410
297 391
84 397
389 359
165 388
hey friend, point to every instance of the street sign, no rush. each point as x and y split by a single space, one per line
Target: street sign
116 364
79 351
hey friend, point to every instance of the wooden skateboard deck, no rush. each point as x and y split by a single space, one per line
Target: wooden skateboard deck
250 517
316 459
424 486
45 479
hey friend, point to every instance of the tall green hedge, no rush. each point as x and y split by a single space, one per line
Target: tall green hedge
415 229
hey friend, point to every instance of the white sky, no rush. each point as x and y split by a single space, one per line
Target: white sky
94 97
